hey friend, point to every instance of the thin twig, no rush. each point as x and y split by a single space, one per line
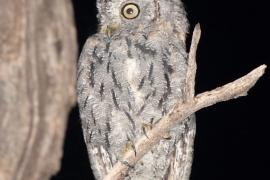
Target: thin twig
192 66
182 110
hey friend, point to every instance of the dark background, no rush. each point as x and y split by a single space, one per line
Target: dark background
232 137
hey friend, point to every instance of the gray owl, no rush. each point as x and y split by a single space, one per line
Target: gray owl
130 74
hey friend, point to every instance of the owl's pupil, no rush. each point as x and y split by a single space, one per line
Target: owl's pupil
130 11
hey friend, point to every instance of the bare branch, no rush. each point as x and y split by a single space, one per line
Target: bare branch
192 66
182 110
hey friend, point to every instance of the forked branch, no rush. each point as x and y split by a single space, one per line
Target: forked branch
182 110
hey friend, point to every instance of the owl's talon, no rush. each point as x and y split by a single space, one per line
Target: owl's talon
127 164
167 136
130 146
146 128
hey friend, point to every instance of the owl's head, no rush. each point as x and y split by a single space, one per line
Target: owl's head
131 15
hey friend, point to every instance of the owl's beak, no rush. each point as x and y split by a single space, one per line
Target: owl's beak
109 30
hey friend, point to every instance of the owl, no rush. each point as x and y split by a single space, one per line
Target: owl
130 74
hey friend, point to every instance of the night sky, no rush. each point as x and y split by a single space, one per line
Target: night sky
232 137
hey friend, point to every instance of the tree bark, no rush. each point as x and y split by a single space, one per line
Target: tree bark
37 76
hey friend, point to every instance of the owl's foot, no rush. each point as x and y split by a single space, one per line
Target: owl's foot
146 128
126 164
167 136
130 146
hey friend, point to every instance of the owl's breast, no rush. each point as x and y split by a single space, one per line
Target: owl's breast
151 79
133 74
132 70
125 84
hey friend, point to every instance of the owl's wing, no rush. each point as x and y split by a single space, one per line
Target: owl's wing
99 157
85 75
181 158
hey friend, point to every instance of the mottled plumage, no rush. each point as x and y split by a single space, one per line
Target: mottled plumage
130 74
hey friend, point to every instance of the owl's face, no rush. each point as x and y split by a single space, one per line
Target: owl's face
131 15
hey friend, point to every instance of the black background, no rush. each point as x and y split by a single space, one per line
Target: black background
232 137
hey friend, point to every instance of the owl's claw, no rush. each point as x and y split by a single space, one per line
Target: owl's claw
167 136
130 146
146 128
127 164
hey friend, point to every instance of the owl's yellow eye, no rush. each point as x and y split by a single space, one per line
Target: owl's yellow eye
130 11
